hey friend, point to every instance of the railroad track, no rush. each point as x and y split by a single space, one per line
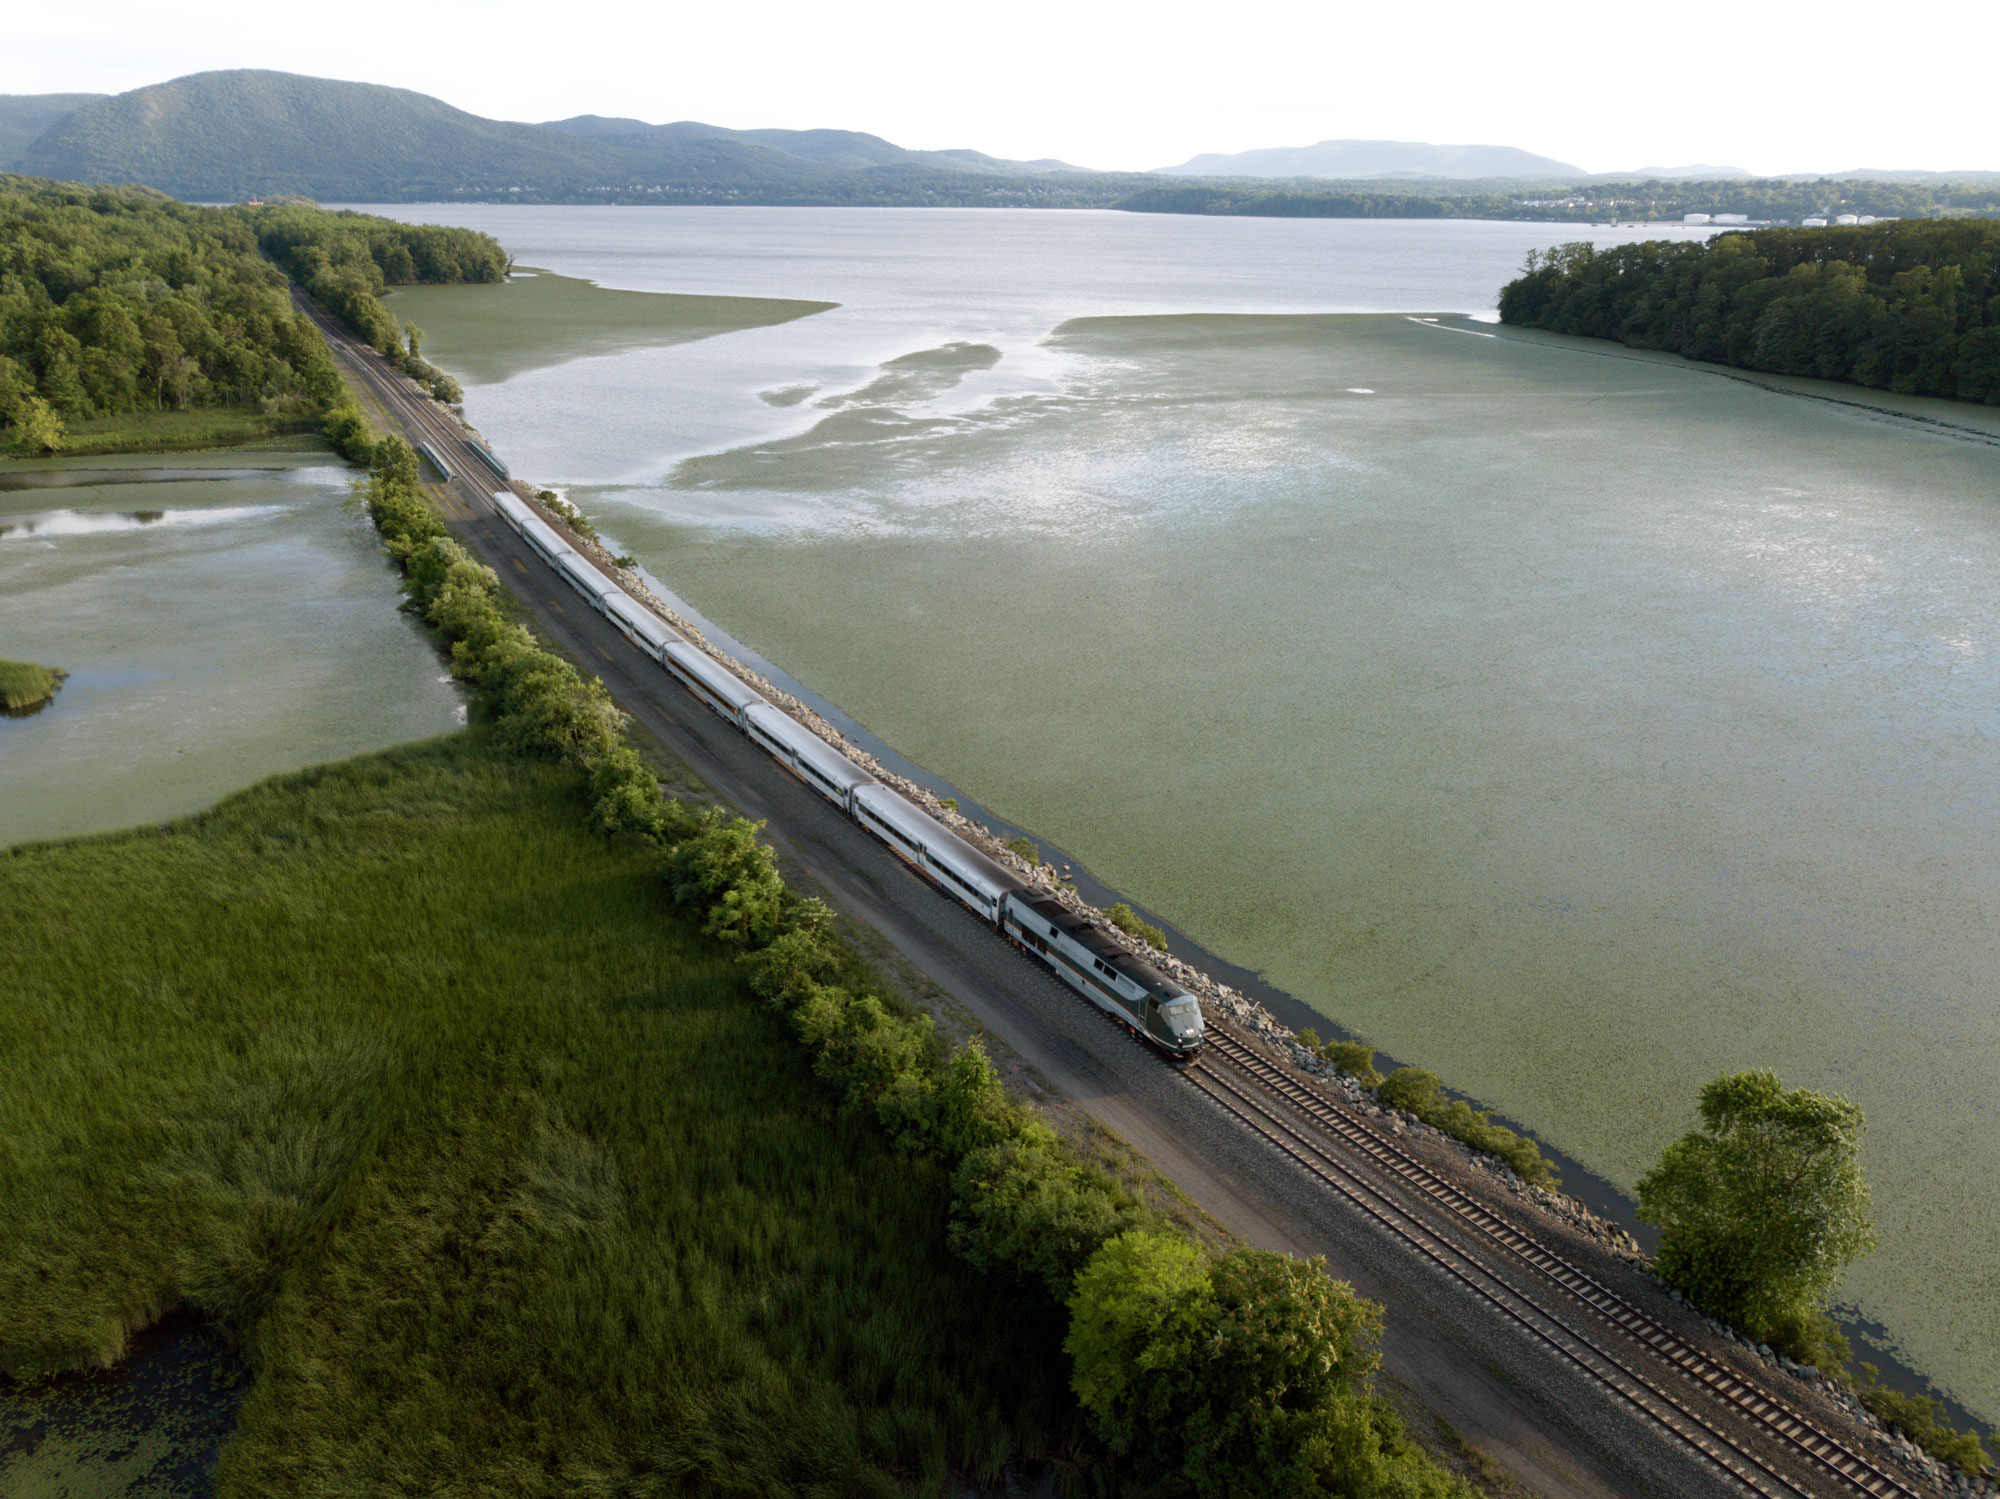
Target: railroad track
1243 1074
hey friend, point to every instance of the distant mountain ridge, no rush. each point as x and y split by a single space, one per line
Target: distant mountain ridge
247 133
228 136
1362 160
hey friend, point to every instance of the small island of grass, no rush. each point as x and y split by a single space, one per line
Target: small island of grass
26 687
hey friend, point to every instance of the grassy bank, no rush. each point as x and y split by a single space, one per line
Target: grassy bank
483 1151
179 431
25 686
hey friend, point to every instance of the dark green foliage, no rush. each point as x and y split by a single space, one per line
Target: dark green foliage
1912 307
1923 1421
1029 1207
723 868
625 797
1418 1092
502 1177
115 300
1025 847
1123 917
1242 1373
1761 1209
348 430
24 685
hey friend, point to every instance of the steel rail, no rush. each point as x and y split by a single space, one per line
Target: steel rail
1794 1429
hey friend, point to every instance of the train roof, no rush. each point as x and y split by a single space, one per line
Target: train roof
713 675
643 620
899 811
1088 935
802 741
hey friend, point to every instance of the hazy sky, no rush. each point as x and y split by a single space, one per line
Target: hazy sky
1753 83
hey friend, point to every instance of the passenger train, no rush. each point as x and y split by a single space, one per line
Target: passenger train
1126 987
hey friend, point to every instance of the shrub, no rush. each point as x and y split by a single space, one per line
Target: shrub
1027 1206
723 864
348 430
625 795
1922 1420
1417 1092
1122 917
1355 1059
1247 1372
1025 847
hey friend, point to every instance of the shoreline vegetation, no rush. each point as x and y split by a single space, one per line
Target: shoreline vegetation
1912 307
130 322
27 688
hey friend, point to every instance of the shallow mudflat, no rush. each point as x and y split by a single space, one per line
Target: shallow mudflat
1576 727
537 319
222 617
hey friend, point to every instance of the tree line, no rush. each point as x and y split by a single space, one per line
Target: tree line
1584 203
121 300
1909 307
346 260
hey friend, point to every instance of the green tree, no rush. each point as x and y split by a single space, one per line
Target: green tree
37 429
1138 1322
724 865
1238 1374
1761 1209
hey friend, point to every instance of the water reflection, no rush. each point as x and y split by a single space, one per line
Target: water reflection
215 632
49 523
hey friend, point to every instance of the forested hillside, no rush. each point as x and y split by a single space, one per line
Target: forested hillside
244 133
120 300
1909 307
237 134
24 118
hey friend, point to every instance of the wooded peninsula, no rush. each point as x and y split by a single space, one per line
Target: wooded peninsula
1908 307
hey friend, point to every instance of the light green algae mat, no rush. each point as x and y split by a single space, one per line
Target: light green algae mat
1577 725
535 319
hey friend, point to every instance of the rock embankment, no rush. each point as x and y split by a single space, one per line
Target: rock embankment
1215 997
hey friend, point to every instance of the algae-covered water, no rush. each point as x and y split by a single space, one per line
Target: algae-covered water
1575 724
222 617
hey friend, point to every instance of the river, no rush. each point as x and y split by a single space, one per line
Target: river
1575 724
